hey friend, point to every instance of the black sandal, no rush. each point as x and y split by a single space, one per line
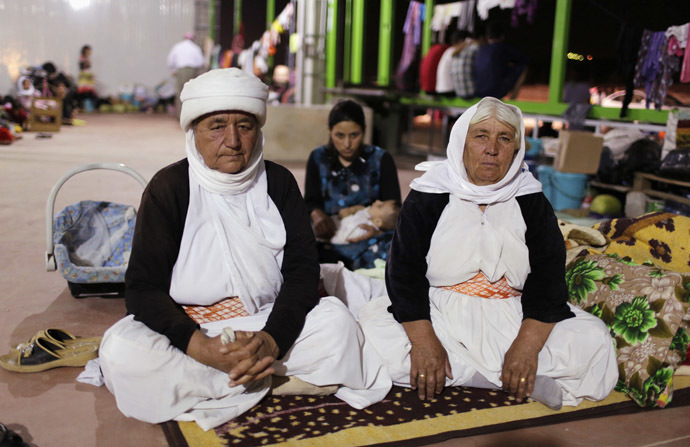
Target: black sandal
8 438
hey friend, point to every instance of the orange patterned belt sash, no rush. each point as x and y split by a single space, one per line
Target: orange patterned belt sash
480 286
222 310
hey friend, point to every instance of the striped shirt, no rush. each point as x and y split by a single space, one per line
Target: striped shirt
461 71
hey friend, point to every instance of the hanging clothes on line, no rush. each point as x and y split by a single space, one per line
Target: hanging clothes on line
680 33
523 8
406 75
466 16
627 50
655 67
483 6
443 15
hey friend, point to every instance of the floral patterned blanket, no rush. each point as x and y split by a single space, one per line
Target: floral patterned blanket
640 287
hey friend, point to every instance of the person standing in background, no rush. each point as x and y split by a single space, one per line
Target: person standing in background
86 84
499 69
185 59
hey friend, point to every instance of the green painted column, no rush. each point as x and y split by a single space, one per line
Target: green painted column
383 77
347 41
357 41
212 20
270 13
331 42
561 32
270 17
237 16
426 32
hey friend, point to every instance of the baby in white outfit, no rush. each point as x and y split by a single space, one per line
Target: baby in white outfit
357 223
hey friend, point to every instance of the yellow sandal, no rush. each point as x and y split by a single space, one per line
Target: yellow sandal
42 354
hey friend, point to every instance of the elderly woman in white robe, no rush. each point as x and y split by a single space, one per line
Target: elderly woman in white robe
223 240
476 279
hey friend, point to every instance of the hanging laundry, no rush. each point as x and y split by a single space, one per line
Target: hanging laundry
655 67
466 16
523 8
483 6
406 75
685 71
680 32
627 50
443 15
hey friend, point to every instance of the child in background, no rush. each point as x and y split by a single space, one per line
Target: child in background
357 223
166 96
26 92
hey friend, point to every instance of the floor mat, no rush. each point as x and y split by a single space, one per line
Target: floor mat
399 420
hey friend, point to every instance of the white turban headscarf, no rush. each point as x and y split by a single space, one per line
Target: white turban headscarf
234 236
450 175
467 240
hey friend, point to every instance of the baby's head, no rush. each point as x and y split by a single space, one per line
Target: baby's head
26 84
384 214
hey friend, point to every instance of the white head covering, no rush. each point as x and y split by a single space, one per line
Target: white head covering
234 236
223 89
25 91
450 175
468 240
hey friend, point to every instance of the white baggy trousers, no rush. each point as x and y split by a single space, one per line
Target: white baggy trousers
477 332
154 381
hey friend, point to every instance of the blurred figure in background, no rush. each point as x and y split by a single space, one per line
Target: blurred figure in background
185 59
86 84
499 69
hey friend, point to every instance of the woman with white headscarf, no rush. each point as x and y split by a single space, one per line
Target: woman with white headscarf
223 239
476 279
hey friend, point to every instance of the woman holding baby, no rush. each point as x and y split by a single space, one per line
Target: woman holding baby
347 173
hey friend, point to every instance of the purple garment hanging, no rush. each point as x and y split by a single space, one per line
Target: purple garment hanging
413 32
649 63
655 67
522 8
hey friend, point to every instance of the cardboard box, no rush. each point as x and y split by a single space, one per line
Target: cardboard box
46 115
578 151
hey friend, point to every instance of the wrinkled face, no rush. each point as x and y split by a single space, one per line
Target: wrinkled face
226 140
347 138
490 148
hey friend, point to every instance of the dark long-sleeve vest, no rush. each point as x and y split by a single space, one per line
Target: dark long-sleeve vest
544 296
157 238
330 186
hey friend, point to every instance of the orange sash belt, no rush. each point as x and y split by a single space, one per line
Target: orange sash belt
480 286
223 310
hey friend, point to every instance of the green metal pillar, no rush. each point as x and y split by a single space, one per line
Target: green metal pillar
561 32
270 13
212 20
347 41
237 16
385 43
270 17
331 42
426 33
357 41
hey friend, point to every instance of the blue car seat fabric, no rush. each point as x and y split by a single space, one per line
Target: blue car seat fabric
93 241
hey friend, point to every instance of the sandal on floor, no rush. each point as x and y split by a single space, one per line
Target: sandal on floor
9 438
45 354
61 338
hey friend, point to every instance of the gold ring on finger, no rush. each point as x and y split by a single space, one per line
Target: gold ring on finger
421 376
523 380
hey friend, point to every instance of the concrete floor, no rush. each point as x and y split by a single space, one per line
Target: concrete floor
51 408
